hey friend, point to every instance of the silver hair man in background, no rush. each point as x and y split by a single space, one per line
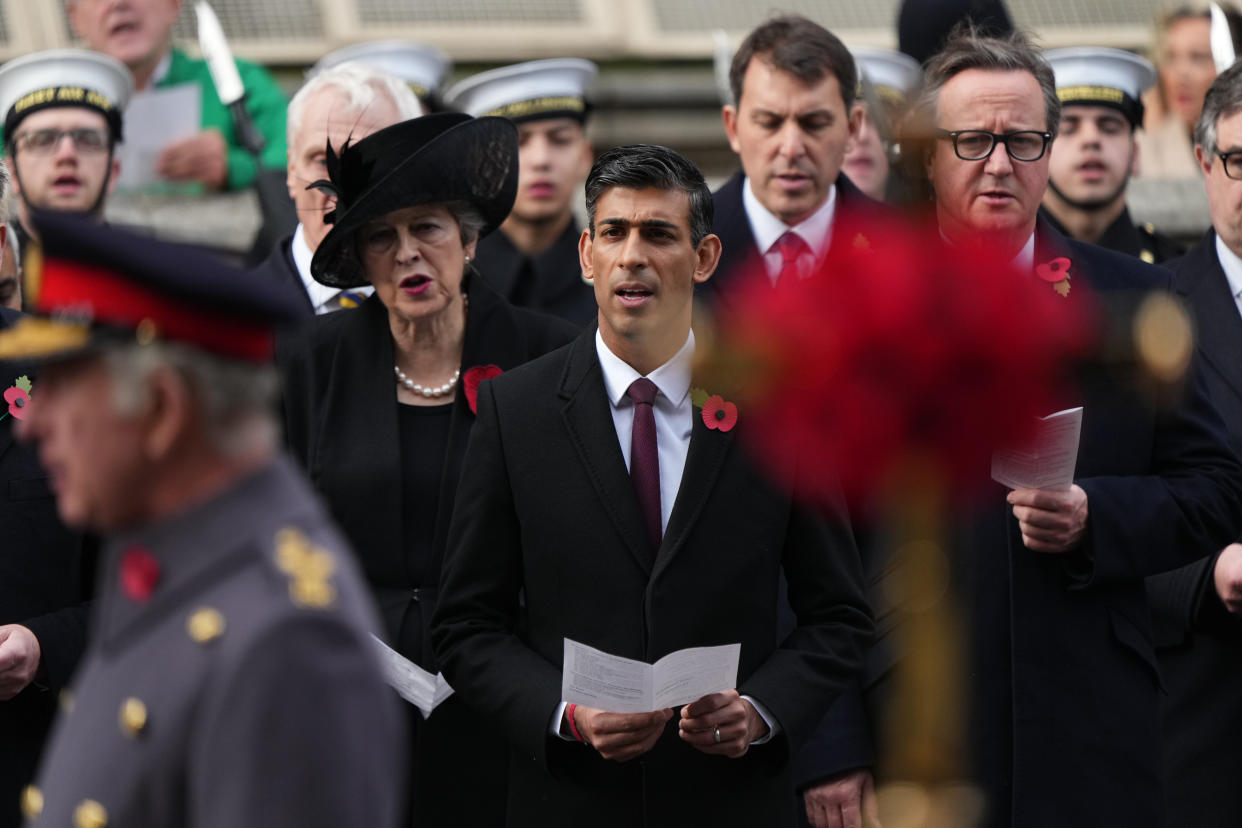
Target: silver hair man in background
346 102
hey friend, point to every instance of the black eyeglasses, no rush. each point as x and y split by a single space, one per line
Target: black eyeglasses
977 144
1232 162
45 141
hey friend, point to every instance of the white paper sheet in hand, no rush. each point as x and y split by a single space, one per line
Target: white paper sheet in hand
153 120
1048 462
598 679
412 683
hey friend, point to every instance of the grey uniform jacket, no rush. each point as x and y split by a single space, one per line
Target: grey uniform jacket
242 691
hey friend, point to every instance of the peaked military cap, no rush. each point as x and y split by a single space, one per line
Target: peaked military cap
1100 76
528 91
64 77
89 285
422 66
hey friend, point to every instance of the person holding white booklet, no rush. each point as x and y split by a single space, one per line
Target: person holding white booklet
599 504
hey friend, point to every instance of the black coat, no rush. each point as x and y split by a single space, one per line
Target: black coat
45 575
845 739
550 282
1198 643
280 268
546 511
1066 683
341 422
1139 240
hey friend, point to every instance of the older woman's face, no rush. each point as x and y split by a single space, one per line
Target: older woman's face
415 259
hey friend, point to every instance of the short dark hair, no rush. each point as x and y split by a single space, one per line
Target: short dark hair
639 166
1223 98
801 47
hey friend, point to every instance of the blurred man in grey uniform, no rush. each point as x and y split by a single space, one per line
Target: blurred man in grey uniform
229 679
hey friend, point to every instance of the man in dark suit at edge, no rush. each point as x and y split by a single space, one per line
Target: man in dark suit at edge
686 548
1195 609
1064 678
794 85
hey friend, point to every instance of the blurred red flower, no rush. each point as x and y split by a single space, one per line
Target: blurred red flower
902 352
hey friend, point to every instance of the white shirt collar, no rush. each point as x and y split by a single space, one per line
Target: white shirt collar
1231 263
320 295
815 230
672 378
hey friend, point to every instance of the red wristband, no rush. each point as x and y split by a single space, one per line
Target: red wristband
573 726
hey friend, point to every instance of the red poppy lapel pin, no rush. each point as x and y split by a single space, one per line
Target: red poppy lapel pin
1057 272
140 572
718 413
18 397
470 383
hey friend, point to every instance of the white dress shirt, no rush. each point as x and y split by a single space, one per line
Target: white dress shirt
1232 265
322 298
815 230
674 421
1023 262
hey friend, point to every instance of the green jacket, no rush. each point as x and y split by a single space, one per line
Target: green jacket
264 101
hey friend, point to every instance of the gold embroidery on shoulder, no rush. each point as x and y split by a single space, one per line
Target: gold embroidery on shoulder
309 568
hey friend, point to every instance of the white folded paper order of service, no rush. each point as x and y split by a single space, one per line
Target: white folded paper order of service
615 684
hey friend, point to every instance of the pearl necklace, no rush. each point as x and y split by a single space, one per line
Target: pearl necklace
438 391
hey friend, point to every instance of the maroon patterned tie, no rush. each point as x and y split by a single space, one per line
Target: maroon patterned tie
792 247
645 457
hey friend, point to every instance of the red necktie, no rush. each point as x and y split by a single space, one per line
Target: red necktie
645 457
792 247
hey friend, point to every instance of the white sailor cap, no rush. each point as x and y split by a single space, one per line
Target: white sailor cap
528 91
422 66
1102 77
895 76
64 77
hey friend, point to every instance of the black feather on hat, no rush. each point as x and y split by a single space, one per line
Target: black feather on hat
433 159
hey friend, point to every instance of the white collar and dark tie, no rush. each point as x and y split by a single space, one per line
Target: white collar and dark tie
768 230
672 407
1231 263
324 299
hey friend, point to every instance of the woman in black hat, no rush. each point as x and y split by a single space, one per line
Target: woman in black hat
379 400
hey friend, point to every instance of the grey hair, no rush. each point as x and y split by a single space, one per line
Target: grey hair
1223 98
237 400
469 220
966 49
359 84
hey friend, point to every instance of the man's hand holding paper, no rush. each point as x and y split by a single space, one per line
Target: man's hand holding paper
1053 522
723 724
620 736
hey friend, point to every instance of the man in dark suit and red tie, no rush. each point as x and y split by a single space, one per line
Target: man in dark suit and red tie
793 85
599 503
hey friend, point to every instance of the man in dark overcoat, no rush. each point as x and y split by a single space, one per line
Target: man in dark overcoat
1064 675
1195 609
599 503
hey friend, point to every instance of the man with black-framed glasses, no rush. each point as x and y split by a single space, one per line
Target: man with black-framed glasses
1197 610
62 120
1063 686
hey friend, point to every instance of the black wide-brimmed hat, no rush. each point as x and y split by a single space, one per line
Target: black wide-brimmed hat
434 159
